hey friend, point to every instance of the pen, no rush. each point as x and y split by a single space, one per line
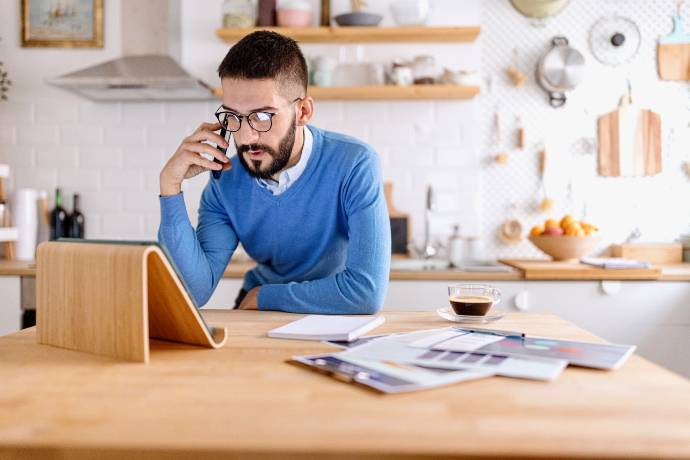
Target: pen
214 173
516 335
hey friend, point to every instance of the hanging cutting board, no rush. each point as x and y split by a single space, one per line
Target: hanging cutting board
674 53
629 141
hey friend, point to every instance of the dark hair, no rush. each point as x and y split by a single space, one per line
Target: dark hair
265 54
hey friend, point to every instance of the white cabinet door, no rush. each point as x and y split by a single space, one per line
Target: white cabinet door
10 305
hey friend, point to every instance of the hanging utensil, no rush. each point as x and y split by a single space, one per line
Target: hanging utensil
673 54
614 40
502 156
559 70
629 141
547 203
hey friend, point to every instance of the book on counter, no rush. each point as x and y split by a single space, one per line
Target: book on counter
326 327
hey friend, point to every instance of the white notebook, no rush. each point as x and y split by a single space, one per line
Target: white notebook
326 327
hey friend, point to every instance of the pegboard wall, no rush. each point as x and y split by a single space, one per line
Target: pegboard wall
657 208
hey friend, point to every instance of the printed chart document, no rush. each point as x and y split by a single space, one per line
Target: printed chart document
386 376
399 349
328 327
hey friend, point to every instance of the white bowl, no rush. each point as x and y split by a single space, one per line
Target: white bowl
410 12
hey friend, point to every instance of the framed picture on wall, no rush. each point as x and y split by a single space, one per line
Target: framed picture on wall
62 23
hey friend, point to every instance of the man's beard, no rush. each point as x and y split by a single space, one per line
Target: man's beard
280 158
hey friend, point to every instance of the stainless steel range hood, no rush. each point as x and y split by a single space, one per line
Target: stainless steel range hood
148 70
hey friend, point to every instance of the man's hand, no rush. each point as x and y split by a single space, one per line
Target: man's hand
249 302
187 161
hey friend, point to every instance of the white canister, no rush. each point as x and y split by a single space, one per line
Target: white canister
25 218
474 248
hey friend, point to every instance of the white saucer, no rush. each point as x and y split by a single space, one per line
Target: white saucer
450 315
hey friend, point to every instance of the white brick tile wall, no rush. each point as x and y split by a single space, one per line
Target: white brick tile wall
150 113
56 112
19 112
122 180
8 136
143 157
126 136
141 201
56 157
81 134
410 111
106 157
391 133
79 179
18 157
101 201
366 112
412 156
169 136
152 221
184 113
34 178
31 135
108 113
124 224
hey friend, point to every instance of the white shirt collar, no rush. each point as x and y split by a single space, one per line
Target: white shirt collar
290 175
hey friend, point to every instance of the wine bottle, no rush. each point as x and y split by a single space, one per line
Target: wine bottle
76 221
58 218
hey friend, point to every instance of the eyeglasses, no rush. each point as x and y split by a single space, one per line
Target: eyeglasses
259 121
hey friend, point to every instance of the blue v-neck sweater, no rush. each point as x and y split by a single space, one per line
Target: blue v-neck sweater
323 246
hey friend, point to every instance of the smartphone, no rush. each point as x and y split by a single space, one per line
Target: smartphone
216 174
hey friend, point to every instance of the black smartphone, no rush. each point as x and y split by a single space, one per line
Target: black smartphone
216 174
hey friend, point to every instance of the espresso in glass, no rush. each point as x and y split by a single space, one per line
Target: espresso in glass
473 299
474 305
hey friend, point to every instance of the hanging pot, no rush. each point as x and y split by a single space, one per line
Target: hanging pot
559 70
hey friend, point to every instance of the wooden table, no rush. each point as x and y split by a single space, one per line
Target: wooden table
244 401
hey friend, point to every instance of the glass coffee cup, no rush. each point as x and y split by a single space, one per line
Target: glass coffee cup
473 299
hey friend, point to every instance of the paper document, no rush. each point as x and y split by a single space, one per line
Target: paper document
397 349
386 376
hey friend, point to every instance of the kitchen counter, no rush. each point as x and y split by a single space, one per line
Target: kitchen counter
675 272
244 401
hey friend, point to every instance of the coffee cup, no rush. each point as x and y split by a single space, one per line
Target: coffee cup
473 299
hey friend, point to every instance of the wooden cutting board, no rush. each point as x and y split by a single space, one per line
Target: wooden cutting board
550 270
673 55
629 141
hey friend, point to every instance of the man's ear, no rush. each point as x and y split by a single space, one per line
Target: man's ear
305 110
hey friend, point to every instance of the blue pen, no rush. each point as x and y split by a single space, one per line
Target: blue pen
214 173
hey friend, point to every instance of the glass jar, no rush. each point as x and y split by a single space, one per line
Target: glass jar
239 14
424 69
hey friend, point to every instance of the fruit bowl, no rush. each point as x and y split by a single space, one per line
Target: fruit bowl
565 248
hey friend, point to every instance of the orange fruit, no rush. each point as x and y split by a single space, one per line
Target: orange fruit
551 223
536 231
567 220
589 231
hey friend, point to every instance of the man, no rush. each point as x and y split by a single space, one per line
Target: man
306 204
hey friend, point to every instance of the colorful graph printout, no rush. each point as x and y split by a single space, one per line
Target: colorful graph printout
586 354
398 349
388 377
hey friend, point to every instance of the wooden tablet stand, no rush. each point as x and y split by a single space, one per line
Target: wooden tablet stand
110 298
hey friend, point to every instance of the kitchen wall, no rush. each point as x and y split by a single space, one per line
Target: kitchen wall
112 153
658 206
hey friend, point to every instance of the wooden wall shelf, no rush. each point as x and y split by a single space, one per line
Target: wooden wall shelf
389 92
362 34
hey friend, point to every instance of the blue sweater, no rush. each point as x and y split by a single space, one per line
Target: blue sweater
322 246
